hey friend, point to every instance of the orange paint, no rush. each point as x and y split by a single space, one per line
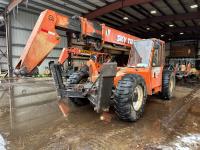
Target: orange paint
44 37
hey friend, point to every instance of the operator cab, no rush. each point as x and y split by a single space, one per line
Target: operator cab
141 52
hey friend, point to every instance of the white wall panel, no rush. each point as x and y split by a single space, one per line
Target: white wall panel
20 36
24 20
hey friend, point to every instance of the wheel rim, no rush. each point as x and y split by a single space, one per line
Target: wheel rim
171 86
137 97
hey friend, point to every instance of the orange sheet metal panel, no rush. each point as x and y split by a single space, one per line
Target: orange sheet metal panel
144 72
117 37
41 41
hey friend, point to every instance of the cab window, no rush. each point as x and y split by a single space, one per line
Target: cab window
156 55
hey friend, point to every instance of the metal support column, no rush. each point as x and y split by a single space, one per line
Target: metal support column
8 44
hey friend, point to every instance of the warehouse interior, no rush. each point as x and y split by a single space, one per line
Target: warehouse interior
36 112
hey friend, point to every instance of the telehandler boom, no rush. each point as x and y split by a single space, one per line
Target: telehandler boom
44 37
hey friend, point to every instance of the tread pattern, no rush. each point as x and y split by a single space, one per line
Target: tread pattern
167 75
123 95
75 78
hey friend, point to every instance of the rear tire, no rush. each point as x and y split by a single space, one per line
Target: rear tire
168 84
76 78
130 97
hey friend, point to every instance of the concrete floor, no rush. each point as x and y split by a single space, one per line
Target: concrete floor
30 119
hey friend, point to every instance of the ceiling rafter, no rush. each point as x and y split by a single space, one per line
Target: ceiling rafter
76 5
104 21
125 12
133 17
173 10
150 15
172 33
164 14
108 17
183 37
170 6
142 13
90 4
185 9
63 6
49 7
175 30
114 6
157 8
115 15
104 1
178 17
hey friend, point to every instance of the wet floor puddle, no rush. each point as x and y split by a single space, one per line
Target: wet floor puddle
31 117
2 143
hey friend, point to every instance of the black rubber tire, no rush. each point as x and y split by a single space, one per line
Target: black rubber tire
166 78
124 95
76 78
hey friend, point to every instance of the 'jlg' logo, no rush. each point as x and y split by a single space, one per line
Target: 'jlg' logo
51 18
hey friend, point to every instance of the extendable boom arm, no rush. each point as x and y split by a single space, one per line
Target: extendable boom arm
44 37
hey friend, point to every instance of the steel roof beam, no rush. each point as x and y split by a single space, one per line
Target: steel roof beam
150 15
185 9
185 37
49 7
76 5
170 7
13 4
168 31
114 6
178 17
63 6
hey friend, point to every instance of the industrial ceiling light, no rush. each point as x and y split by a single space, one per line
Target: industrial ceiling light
125 18
194 6
148 28
181 33
171 25
162 35
153 11
170 39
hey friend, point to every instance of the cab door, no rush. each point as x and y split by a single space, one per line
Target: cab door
156 71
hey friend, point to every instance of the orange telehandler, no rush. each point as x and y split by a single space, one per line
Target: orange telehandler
102 82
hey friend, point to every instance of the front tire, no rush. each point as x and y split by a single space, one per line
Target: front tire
168 84
130 97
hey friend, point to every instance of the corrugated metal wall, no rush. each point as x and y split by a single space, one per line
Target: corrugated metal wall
21 25
3 59
198 52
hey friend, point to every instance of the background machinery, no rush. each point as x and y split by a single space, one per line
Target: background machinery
100 81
